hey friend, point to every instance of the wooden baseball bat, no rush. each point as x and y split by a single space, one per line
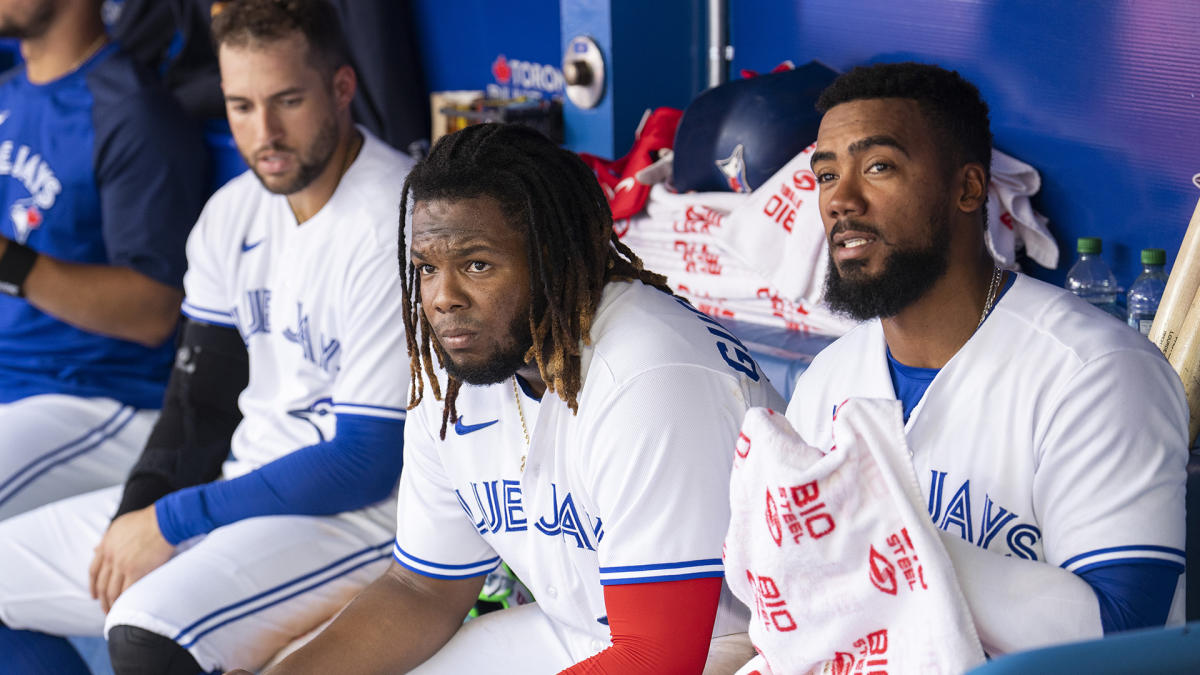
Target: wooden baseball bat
1181 289
1185 359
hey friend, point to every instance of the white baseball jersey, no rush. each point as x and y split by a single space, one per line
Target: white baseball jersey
632 489
1054 434
318 304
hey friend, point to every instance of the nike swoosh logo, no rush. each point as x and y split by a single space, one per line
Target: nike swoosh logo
464 429
249 247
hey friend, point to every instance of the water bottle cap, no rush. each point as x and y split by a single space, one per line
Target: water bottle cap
1154 256
1088 245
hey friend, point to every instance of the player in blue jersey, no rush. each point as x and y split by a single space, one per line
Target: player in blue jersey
1050 440
264 499
101 178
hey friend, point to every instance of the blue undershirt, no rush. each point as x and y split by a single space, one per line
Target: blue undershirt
359 467
1131 594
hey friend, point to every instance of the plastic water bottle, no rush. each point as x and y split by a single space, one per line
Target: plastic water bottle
1146 292
1091 279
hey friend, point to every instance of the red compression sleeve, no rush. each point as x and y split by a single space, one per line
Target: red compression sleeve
662 627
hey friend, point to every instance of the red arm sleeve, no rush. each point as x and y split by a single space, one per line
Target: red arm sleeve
663 627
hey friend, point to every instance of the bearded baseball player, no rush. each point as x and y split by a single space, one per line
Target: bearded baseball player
1049 438
101 177
239 530
582 430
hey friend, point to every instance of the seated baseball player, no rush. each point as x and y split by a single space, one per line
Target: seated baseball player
582 430
293 316
1050 439
101 178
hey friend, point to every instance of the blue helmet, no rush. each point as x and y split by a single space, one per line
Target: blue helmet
736 136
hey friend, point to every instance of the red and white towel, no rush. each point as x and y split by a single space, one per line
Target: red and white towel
762 257
836 555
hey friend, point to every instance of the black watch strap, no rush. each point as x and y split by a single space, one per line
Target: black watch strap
15 266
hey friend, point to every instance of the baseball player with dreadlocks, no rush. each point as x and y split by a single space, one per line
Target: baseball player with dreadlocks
582 430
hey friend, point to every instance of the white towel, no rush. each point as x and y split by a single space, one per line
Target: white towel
837 555
680 236
778 229
1012 222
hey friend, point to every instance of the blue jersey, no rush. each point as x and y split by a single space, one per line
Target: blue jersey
100 166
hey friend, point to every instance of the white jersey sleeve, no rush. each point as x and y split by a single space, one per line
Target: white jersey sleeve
1111 457
206 297
652 455
434 536
373 379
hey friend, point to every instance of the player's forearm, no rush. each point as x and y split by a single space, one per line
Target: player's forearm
200 412
1022 604
358 467
113 301
394 625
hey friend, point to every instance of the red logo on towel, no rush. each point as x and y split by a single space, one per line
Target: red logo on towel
773 525
883 573
792 312
842 663
770 604
697 259
805 180
906 559
872 650
798 509
706 303
698 219
872 653
743 445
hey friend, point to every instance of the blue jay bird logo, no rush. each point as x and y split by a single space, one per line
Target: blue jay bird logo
317 415
26 217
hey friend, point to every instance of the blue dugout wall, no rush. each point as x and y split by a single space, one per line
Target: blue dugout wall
1099 95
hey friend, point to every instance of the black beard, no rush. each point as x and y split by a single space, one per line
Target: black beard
504 364
907 275
36 27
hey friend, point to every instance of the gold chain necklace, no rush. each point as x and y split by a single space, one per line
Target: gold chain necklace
991 296
524 428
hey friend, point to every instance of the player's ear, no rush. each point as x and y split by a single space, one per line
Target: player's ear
972 187
345 83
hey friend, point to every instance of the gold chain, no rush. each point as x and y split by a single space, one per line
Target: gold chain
991 296
524 428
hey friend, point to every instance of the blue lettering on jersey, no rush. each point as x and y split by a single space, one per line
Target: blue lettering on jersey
935 491
478 523
993 524
255 315
327 358
565 521
514 511
498 506
958 514
732 351
32 171
1021 539
503 509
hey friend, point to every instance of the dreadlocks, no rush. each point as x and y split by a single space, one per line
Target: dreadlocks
555 201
